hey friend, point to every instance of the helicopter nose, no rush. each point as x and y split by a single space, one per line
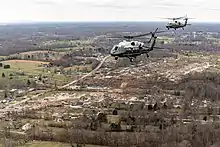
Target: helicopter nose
112 52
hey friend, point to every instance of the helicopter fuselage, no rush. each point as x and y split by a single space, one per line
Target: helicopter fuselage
126 48
129 49
173 25
132 49
176 24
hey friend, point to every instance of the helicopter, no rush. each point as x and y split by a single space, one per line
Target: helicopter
132 49
175 24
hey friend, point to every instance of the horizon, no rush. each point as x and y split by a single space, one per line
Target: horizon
104 21
13 11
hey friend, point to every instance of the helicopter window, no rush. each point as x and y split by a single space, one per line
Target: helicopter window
116 48
132 43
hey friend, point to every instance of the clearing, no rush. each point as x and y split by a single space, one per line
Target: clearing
21 70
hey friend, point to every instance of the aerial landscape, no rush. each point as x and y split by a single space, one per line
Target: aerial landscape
64 87
109 83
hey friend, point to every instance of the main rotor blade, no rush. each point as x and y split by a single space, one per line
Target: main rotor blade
176 18
135 36
169 18
155 47
189 18
173 18
141 35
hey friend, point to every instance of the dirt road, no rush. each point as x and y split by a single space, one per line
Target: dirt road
89 74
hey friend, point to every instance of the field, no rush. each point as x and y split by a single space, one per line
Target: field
21 70
45 144
2 57
52 144
166 39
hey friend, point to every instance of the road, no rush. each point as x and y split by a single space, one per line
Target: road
89 74
11 107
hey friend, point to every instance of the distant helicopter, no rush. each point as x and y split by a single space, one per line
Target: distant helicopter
132 49
177 24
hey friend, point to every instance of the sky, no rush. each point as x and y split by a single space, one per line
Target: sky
107 10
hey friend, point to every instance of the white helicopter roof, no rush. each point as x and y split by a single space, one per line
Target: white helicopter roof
125 43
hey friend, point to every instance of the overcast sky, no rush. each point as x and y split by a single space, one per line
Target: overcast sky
107 10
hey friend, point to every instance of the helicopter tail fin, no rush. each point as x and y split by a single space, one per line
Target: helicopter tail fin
154 39
186 21
152 35
153 44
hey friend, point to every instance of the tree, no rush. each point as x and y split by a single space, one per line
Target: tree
55 84
3 75
69 72
7 66
162 42
115 112
6 95
28 82
40 78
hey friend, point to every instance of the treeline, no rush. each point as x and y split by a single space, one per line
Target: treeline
189 135
72 59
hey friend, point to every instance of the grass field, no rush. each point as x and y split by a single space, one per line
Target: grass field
165 39
2 57
45 144
42 144
28 68
52 144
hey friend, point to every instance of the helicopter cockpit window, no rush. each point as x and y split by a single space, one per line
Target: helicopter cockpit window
132 43
116 48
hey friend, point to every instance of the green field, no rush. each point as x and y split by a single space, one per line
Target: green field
21 70
45 144
42 144
2 57
165 39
